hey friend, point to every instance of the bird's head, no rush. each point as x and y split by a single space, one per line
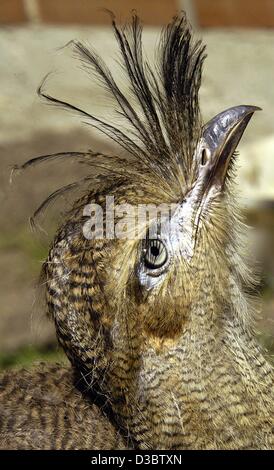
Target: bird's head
127 307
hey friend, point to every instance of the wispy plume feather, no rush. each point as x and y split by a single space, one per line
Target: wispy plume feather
162 118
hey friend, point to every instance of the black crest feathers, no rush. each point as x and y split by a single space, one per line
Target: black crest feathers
162 117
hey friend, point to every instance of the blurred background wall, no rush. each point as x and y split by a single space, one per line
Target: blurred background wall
239 70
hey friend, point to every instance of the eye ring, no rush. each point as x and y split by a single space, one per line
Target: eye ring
155 255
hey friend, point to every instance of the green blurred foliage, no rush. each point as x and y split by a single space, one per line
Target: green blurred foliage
29 355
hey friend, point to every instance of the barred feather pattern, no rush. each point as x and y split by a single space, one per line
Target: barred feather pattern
45 409
180 366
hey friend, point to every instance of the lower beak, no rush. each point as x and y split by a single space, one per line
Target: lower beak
221 135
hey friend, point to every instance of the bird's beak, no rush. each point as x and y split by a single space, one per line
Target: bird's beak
221 136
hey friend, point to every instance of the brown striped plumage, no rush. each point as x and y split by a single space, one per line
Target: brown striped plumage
43 409
201 383
172 351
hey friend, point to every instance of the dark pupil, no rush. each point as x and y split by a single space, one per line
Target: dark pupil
155 251
156 254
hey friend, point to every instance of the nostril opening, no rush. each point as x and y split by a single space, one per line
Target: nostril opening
204 157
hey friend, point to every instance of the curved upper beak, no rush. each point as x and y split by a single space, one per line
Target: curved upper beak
219 140
221 136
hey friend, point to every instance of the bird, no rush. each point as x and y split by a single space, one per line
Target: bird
160 327
47 409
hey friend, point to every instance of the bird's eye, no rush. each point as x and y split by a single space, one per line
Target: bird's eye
155 254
